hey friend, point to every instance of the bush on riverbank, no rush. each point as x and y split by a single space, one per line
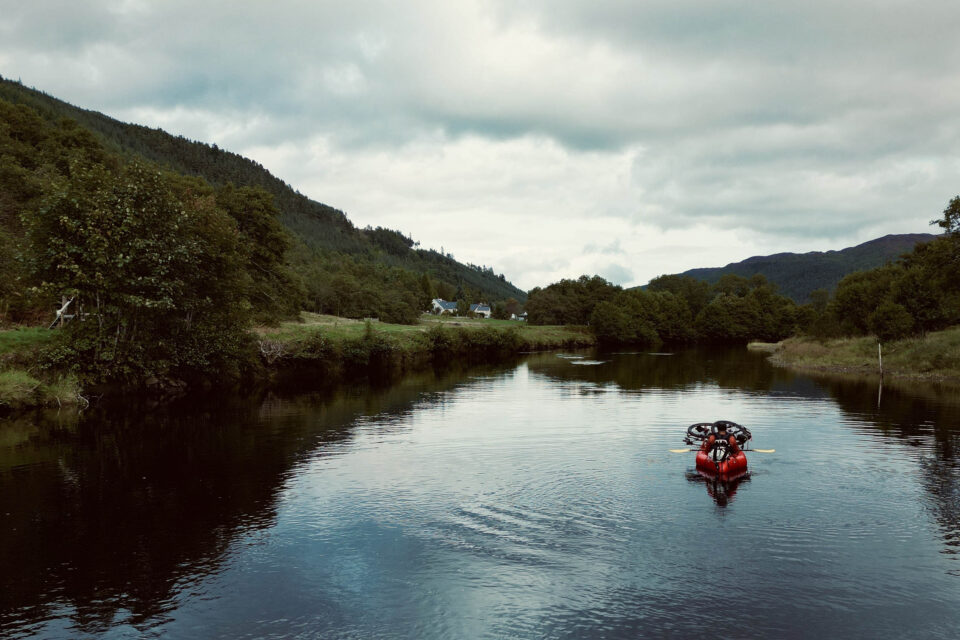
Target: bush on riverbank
936 355
19 389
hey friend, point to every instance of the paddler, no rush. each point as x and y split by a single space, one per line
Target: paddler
721 435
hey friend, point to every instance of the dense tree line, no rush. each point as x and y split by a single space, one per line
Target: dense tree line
918 293
675 309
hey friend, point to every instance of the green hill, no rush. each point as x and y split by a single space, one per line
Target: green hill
798 274
328 246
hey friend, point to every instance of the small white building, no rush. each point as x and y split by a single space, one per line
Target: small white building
481 309
439 306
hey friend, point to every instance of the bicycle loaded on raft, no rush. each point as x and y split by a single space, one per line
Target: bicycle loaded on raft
721 447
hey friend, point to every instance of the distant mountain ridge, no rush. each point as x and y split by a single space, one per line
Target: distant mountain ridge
320 227
798 274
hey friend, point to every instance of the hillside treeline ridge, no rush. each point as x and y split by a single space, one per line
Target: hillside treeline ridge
916 294
798 275
342 267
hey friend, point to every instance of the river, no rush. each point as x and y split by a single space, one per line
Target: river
531 500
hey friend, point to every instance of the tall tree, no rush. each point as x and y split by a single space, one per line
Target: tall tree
272 289
159 279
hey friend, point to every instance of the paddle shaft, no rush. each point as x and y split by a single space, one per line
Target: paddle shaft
695 450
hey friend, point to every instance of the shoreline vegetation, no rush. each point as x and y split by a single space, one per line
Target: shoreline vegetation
332 349
337 348
329 348
933 357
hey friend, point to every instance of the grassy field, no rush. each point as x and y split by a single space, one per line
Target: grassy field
343 329
934 356
339 329
23 338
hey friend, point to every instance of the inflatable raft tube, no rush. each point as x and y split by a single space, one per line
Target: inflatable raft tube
733 465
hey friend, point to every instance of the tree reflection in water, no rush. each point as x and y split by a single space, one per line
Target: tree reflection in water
108 517
921 419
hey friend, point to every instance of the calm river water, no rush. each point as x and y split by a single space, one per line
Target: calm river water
535 500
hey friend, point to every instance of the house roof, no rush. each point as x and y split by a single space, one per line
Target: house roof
445 305
479 307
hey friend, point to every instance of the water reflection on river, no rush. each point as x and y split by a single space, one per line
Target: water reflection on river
532 500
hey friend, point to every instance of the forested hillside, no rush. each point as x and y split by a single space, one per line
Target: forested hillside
917 294
797 275
165 253
911 296
343 269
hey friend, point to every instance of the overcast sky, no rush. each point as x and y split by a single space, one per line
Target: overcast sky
545 138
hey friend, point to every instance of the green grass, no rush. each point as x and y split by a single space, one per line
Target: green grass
18 388
470 322
23 339
936 355
342 329
337 345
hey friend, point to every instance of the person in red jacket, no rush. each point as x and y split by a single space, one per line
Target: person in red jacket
721 435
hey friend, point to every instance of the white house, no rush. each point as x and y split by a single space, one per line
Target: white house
481 309
440 305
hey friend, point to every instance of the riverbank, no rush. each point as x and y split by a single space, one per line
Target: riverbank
325 348
20 385
337 347
935 356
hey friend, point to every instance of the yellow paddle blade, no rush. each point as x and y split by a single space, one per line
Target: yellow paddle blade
681 450
763 450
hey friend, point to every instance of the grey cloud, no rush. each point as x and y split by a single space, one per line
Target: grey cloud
58 26
686 69
612 248
815 119
858 31
616 273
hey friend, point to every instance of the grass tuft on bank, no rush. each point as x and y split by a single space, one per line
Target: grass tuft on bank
935 356
19 389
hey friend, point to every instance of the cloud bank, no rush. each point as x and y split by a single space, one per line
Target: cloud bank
546 139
